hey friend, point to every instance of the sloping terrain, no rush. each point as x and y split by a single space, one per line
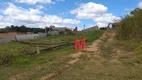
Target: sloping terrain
105 60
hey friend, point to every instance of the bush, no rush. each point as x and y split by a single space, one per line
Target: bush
5 58
130 26
138 50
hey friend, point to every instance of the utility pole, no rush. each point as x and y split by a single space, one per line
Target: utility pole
84 28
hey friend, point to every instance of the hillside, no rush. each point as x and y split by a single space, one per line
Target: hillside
106 59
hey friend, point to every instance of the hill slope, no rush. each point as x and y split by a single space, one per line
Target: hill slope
105 59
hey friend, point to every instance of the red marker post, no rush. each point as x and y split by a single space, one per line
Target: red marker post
80 45
83 44
76 42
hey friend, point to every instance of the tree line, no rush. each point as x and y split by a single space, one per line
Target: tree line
22 28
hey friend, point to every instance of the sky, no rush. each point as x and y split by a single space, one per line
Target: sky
61 13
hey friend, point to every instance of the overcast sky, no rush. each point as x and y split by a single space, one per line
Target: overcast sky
71 13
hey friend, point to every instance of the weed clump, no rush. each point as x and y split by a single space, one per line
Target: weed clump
5 58
138 52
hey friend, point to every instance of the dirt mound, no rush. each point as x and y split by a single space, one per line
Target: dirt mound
108 34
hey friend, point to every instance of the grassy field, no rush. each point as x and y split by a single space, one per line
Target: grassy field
14 62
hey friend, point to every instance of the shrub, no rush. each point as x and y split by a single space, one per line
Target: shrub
138 52
130 26
5 58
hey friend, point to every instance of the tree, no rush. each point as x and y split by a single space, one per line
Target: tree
135 11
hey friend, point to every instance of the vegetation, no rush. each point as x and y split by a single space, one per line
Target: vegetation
13 59
131 25
22 28
129 31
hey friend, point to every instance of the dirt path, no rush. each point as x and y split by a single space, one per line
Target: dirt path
91 50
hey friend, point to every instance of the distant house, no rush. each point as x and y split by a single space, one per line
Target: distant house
75 31
91 29
103 28
52 30
111 25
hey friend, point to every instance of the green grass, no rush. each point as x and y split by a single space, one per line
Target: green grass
14 60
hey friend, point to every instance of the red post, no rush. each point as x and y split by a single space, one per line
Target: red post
76 42
83 43
80 45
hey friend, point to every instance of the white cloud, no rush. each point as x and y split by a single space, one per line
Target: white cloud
14 10
96 12
71 21
14 14
39 7
140 5
3 22
89 10
104 19
53 19
20 14
35 1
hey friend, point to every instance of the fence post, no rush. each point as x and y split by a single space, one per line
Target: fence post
38 51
